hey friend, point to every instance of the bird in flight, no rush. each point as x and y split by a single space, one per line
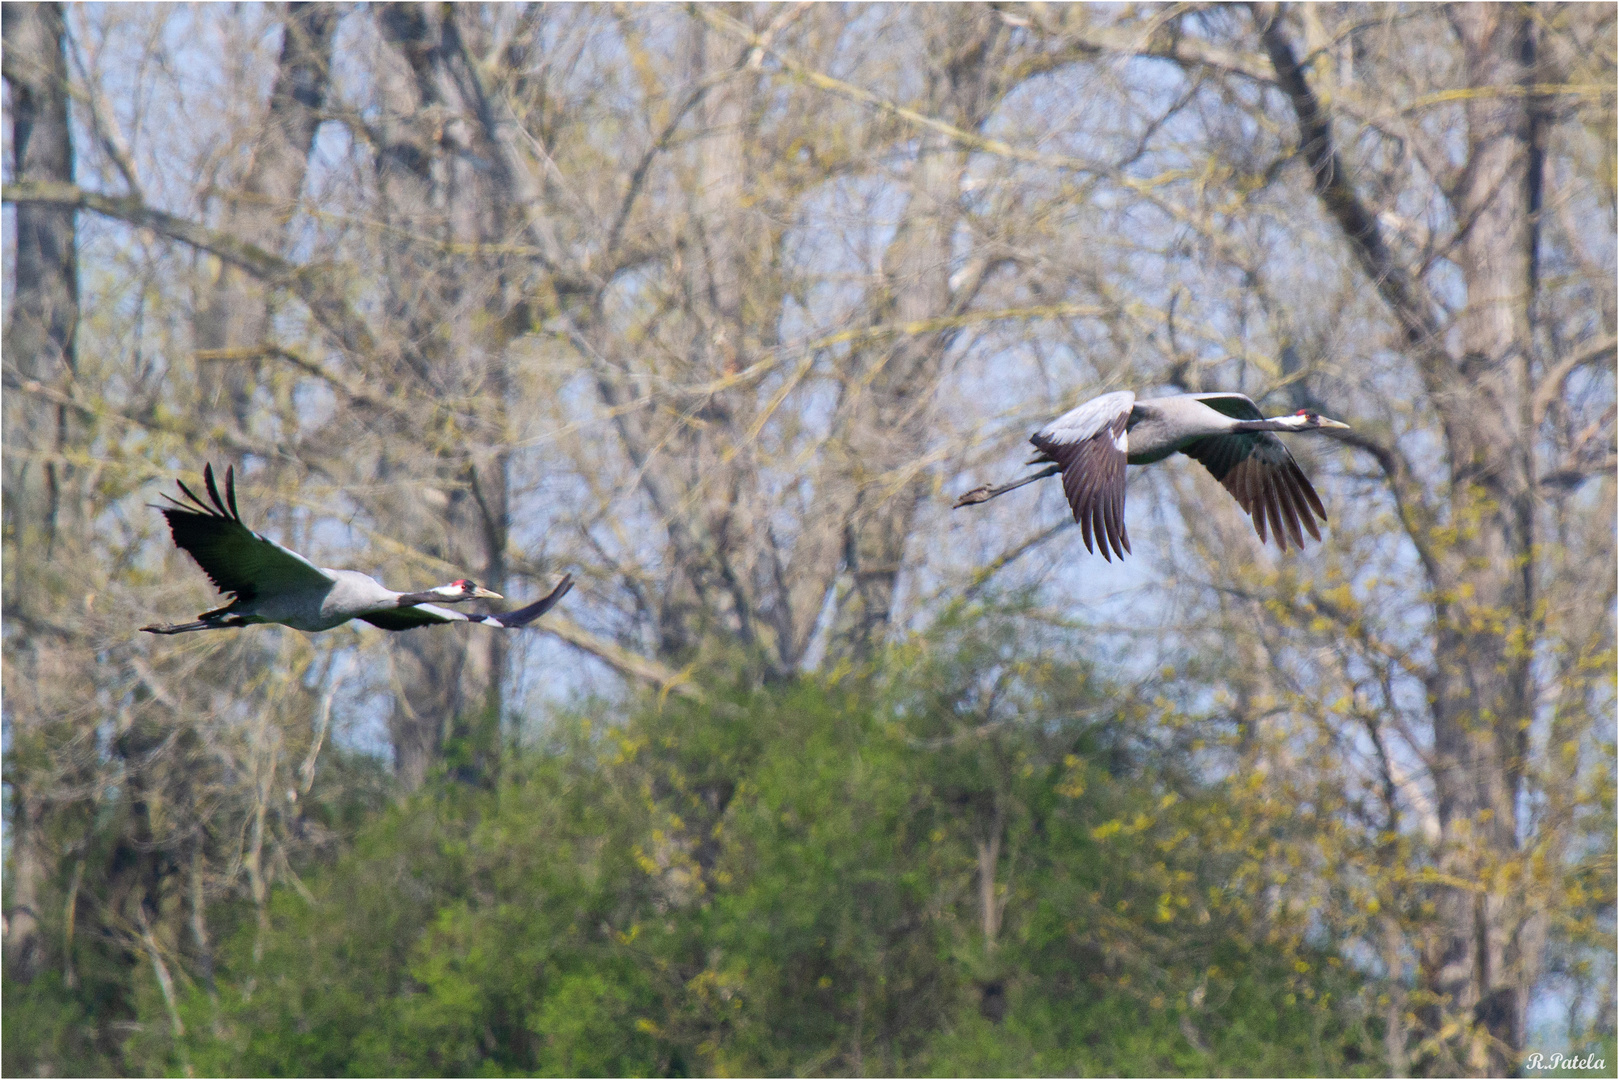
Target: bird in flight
1090 446
271 584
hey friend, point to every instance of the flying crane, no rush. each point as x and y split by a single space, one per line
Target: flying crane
1091 445
271 584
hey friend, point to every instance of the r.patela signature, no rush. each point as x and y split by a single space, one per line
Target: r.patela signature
1562 1061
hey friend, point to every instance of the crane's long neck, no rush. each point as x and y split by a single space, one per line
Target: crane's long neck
432 596
1279 423
453 593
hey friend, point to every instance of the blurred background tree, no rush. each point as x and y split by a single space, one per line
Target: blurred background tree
714 306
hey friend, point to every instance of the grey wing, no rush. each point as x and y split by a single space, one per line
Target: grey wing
1085 420
236 559
1266 482
408 618
1091 446
1236 406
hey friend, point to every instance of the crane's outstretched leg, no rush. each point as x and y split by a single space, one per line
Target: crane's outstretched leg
986 493
181 628
210 620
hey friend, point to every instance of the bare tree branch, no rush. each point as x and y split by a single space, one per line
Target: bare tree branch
309 284
1405 296
1551 383
619 659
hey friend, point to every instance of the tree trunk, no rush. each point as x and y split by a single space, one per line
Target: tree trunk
452 482
1482 694
891 399
40 332
235 313
714 584
1473 964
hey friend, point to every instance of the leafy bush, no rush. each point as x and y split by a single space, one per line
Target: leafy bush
977 860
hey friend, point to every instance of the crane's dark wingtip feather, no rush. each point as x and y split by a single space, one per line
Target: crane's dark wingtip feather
1290 512
559 591
1309 492
1115 514
1278 519
214 506
1305 519
213 490
192 495
512 620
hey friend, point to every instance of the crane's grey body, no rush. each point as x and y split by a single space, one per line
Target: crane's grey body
1159 427
272 584
1091 444
344 595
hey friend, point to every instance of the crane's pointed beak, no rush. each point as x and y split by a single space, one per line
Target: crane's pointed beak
1333 424
481 593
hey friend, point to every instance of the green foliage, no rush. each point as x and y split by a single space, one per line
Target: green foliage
790 879
46 1021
